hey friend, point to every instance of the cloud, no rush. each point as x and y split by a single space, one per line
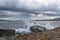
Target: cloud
25 5
29 8
8 14
50 13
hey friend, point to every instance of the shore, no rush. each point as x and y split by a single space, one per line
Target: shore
44 35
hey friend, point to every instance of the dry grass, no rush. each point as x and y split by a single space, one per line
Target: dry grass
45 35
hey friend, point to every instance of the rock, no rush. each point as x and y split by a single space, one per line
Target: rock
37 28
7 32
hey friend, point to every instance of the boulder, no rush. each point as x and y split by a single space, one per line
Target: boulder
7 32
37 28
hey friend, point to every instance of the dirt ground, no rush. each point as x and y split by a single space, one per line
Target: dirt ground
44 35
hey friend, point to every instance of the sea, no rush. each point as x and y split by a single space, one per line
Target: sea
9 24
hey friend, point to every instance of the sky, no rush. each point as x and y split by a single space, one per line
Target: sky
29 9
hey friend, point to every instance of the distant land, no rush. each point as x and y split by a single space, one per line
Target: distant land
56 19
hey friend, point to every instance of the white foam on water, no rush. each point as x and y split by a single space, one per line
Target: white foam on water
22 30
48 26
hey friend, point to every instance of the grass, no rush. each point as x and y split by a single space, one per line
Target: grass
44 35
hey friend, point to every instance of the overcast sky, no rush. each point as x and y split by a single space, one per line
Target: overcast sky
29 9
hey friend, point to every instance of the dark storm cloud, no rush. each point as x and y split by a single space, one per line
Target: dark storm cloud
29 7
8 14
52 14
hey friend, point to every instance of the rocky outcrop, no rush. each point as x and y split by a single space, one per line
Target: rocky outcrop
6 32
37 28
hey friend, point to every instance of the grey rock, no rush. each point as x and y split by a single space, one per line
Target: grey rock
37 28
6 32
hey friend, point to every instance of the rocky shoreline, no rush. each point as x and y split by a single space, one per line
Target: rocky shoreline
44 35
